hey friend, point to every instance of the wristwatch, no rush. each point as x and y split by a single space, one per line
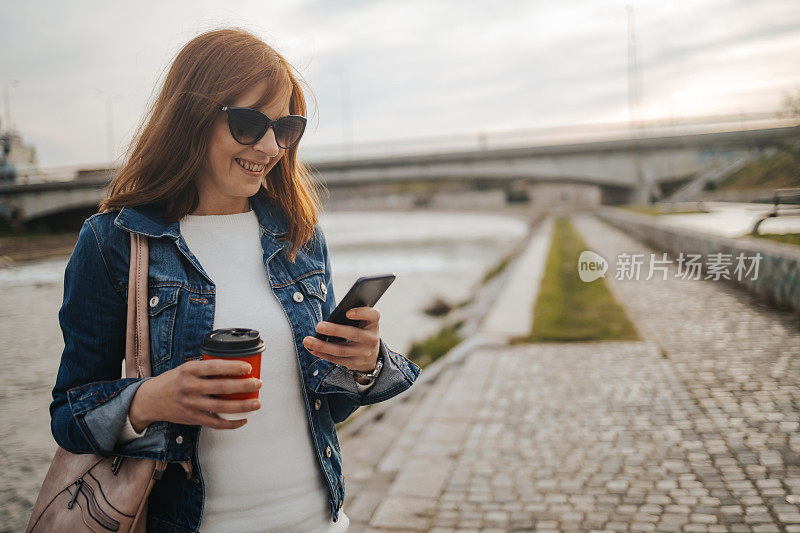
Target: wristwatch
365 378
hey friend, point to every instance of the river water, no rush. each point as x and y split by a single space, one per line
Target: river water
434 254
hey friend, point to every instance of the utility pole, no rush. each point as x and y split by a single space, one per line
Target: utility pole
633 75
642 194
347 114
110 126
109 122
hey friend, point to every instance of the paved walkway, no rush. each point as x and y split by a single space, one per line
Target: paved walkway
693 429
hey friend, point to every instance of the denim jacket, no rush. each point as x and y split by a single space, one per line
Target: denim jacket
91 400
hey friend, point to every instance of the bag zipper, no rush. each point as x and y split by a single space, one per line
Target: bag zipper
75 494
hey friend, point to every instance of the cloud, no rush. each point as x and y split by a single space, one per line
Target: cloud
404 69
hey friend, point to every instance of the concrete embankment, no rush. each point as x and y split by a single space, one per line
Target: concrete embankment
777 281
23 249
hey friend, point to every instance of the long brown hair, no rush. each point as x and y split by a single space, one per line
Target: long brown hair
171 144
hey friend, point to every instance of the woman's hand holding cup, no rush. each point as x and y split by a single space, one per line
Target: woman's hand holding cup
184 395
198 393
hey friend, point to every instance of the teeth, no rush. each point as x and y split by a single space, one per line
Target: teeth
250 166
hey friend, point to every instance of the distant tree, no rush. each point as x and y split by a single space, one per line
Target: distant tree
791 110
791 106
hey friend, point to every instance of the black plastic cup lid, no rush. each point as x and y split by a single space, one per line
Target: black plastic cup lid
232 342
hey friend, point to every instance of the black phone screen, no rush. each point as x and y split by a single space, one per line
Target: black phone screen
365 292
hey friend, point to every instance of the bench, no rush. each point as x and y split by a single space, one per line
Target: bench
781 197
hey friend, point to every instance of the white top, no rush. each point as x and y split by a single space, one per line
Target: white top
265 475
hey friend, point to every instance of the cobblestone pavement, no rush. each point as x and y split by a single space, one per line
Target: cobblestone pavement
693 429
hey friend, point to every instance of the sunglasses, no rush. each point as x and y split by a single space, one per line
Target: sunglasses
248 126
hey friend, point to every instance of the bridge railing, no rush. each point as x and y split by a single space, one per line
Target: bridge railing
471 142
39 175
544 136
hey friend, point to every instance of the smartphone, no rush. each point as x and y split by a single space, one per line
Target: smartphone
365 292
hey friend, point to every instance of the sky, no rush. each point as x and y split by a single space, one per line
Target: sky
384 72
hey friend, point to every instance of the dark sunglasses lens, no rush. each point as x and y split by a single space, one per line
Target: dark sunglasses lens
288 131
246 125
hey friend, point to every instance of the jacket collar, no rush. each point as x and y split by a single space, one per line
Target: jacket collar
146 219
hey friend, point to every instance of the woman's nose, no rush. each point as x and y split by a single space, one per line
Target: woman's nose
268 144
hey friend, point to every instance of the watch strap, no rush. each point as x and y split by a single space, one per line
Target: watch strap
367 377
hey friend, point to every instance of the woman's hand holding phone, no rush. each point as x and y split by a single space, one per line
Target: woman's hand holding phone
360 352
349 336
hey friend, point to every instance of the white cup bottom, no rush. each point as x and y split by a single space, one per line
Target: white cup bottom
237 416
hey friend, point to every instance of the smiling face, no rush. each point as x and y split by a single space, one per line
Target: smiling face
224 185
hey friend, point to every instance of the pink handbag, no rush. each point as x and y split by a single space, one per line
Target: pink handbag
86 492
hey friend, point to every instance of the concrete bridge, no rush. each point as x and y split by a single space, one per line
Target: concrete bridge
624 170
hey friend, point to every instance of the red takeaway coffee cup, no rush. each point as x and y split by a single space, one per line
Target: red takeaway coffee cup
240 344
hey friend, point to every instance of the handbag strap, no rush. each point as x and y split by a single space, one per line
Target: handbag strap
137 338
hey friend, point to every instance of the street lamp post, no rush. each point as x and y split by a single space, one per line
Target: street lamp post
109 98
7 100
347 113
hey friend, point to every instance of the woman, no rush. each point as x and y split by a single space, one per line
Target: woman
212 179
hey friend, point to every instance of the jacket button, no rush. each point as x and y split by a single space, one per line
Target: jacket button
323 287
328 451
317 404
154 301
315 372
297 297
179 439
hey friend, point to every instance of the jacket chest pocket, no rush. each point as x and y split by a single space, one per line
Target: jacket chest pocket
162 306
314 293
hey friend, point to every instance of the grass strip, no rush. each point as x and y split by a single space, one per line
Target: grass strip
498 267
788 238
569 309
431 348
658 210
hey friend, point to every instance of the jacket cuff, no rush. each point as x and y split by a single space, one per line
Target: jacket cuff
101 409
340 377
397 375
